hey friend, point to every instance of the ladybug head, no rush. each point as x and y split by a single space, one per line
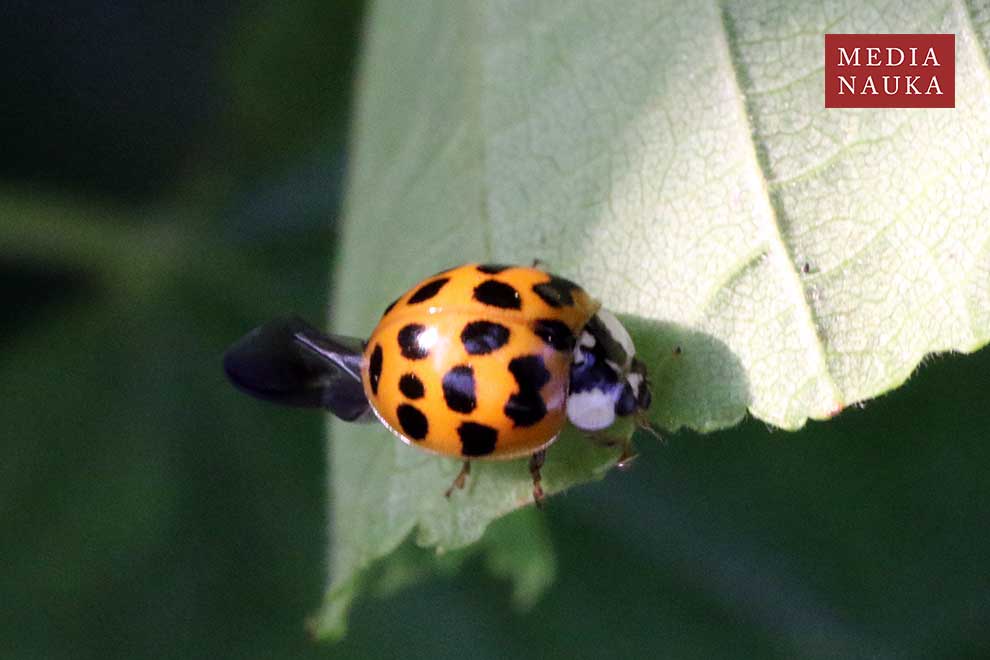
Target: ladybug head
607 381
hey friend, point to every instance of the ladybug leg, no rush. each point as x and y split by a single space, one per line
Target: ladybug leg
459 479
628 454
643 422
535 463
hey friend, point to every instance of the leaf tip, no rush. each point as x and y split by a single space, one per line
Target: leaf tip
329 624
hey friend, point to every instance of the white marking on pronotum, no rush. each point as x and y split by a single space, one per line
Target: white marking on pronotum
618 333
586 341
591 410
635 381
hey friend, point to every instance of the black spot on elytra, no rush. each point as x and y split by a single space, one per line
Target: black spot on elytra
492 269
529 371
483 337
412 421
427 291
557 292
375 368
555 333
526 407
411 386
458 389
477 439
497 294
392 305
409 342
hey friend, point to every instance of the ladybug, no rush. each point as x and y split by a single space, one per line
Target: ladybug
479 362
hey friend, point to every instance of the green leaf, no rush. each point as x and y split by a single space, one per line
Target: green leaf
676 159
125 448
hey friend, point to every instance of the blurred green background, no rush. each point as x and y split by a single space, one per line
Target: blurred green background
172 176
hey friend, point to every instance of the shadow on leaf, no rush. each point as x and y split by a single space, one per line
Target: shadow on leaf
697 380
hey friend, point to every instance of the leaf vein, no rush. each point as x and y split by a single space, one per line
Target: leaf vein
967 24
778 246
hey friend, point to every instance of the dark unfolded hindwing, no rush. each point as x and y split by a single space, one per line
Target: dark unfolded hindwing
290 362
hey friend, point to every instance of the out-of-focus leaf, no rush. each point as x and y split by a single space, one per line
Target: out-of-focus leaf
135 479
290 80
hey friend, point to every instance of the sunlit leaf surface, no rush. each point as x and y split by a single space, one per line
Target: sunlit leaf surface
676 159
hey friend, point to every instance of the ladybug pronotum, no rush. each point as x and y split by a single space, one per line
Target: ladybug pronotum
479 362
